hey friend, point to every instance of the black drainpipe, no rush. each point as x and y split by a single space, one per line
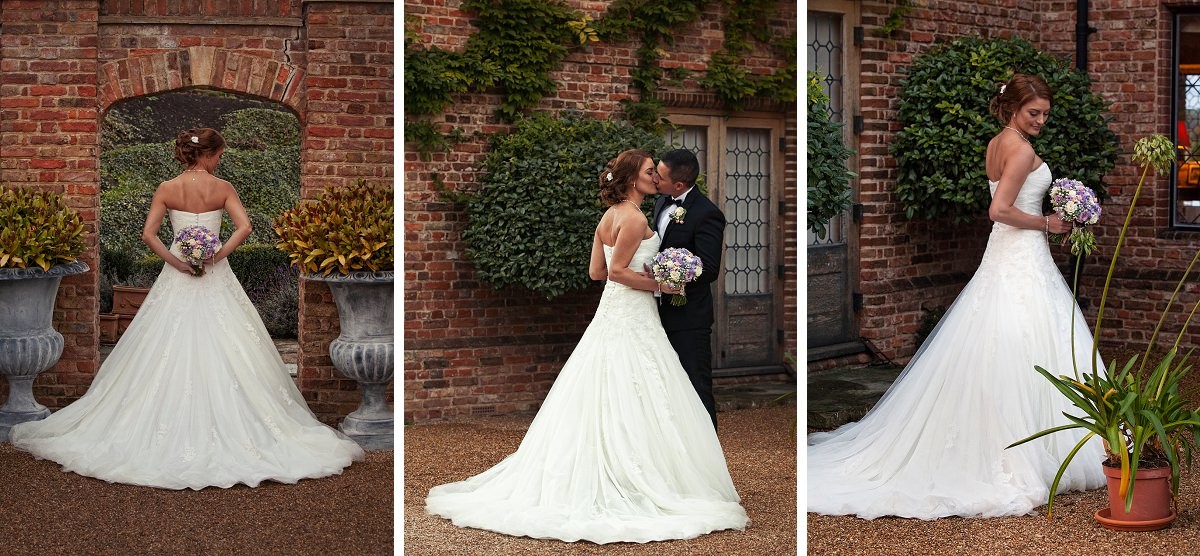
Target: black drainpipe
1082 30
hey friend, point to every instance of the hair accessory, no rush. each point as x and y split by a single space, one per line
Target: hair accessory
609 177
1002 87
195 140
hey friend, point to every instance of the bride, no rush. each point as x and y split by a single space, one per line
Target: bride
194 394
934 445
622 449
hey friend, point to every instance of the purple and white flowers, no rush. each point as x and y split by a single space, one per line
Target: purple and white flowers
196 245
1078 204
676 267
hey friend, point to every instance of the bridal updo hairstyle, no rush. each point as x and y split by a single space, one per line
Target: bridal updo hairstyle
193 143
624 171
1013 95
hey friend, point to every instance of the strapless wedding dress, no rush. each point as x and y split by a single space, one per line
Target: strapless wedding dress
622 449
934 445
193 395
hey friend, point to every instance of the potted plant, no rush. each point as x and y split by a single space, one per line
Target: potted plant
40 242
345 238
1139 412
125 281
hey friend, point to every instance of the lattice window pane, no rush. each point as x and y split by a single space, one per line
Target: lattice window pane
825 52
1187 125
747 211
693 138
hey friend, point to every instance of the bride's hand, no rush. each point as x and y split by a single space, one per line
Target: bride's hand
1056 225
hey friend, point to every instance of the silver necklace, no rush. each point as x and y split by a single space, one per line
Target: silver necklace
635 205
1022 135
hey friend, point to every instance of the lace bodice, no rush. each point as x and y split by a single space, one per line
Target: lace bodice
1029 199
621 301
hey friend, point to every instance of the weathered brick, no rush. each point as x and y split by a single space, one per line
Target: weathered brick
56 77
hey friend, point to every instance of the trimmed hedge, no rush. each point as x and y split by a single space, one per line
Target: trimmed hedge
259 128
943 106
531 225
267 181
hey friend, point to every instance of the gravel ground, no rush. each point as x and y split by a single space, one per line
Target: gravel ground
760 449
49 512
1072 531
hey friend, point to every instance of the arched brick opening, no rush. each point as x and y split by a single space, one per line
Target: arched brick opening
201 66
64 62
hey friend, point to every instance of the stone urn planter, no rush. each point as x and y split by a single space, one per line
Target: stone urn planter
365 351
29 344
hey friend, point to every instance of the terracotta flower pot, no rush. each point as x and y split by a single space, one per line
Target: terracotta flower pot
1151 508
127 299
108 328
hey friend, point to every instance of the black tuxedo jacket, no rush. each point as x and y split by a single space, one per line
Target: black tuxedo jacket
703 233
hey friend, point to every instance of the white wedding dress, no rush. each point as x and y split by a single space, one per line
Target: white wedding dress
622 449
934 445
193 395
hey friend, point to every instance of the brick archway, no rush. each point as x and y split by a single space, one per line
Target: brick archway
63 63
201 66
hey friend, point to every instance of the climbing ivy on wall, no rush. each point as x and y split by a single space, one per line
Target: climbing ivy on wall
728 79
655 22
519 42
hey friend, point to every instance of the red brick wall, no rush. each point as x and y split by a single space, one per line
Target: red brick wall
212 8
473 350
906 264
48 140
347 136
65 62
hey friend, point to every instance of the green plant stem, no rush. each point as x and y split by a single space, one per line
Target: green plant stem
1113 265
1163 317
1074 293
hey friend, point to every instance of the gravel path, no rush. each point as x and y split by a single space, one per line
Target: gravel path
49 512
1072 531
760 449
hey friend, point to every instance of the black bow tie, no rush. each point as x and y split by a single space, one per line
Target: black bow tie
675 201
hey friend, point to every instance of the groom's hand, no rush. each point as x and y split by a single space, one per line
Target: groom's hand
646 271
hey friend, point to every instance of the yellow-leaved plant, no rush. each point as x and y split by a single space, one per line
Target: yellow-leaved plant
347 229
37 229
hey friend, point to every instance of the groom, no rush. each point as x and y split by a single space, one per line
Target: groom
684 217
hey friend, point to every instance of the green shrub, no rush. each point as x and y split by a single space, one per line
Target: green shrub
277 300
255 263
943 106
259 128
37 229
267 181
828 179
531 225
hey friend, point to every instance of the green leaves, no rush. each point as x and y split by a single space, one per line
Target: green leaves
267 180
828 178
346 229
531 225
947 126
37 229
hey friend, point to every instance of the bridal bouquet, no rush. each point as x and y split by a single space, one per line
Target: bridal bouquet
675 267
1076 203
196 245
